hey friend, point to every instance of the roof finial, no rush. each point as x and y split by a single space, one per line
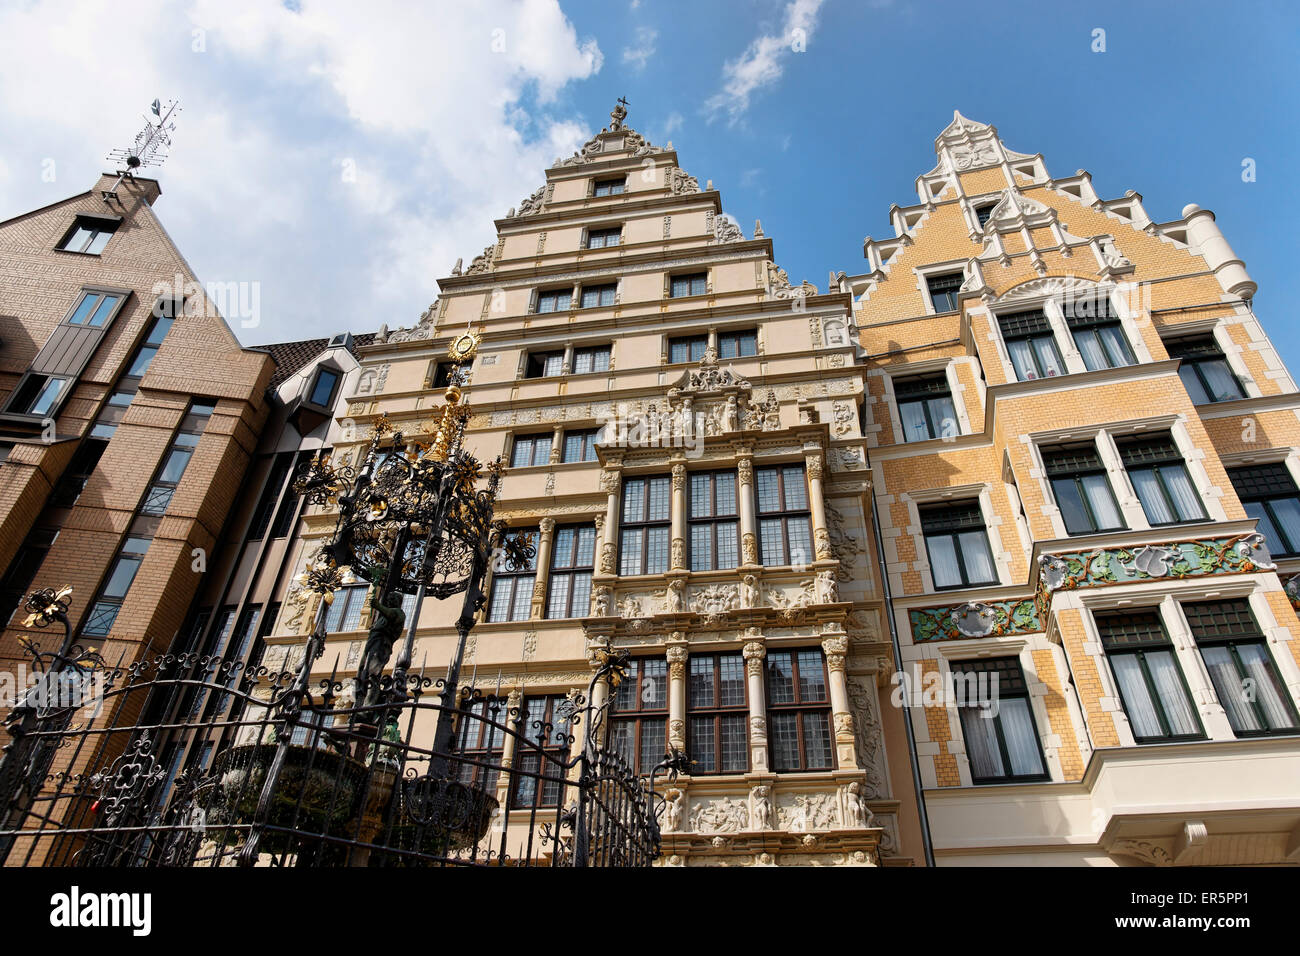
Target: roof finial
618 114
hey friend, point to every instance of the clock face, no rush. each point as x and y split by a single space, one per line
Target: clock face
463 347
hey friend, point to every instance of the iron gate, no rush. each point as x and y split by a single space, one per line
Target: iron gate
193 761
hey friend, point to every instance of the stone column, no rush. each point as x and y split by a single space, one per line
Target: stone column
755 652
748 523
835 648
678 550
611 480
813 463
514 702
677 657
540 583
557 447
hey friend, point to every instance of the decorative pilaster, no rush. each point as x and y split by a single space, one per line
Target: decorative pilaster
514 719
748 527
677 656
611 480
755 652
813 462
836 650
540 582
557 444
678 550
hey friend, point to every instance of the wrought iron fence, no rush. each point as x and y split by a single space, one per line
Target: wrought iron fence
184 760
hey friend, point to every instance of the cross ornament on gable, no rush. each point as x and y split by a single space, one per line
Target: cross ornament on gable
618 114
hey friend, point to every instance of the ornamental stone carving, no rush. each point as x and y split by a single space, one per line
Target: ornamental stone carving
822 544
720 816
482 263
714 599
814 467
681 182
534 203
609 480
754 652
726 230
608 558
760 810
745 468
835 649
974 619
601 601
677 663
828 589
674 810
749 593
679 477
674 596
679 554
749 544
856 812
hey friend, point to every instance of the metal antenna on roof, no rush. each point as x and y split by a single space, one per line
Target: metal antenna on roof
149 147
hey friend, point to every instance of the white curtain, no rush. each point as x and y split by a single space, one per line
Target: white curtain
1137 701
1169 685
1102 501
979 562
1022 359
981 743
1222 384
1228 685
1022 742
1183 492
1153 500
943 561
1267 693
1094 356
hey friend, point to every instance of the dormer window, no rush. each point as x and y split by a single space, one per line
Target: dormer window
88 235
943 291
609 187
322 389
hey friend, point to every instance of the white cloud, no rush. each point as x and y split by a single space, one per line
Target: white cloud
673 123
638 54
762 63
442 117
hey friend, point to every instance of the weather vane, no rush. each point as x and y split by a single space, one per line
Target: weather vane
150 146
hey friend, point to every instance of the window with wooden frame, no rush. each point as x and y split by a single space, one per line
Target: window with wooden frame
1270 496
784 522
173 466
1204 370
943 289
1031 344
604 238
798 711
1082 489
639 714
740 343
555 300
957 543
687 348
717 709
480 745
646 526
89 235
696 283
597 296
593 358
1002 744
1151 684
573 556
1243 672
713 521
512 588
539 774
544 364
528 451
1160 478
580 445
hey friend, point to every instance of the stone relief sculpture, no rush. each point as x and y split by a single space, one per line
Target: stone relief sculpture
533 204
675 597
856 812
714 599
720 816
828 590
674 810
482 263
725 230
760 817
682 182
749 593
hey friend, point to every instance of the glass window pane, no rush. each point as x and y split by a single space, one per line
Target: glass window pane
981 738
944 415
1262 682
1149 492
780 678
1229 687
1169 685
975 553
915 427
800 534
772 541
660 499
812 682
158 331
1223 384
1070 501
1090 347
143 359
731 676
1048 359
120 578
47 396
1179 484
174 466
1102 501
701 682
1138 704
701 548
1192 382
784 741
728 553
1286 514
796 492
84 309
943 561
106 305
1116 344
702 745
98 243
632 542
656 561
1022 359
1022 742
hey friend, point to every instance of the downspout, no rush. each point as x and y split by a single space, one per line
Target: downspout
926 841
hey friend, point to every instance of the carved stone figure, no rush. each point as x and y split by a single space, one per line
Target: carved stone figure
856 812
728 415
828 589
533 204
675 598
674 810
602 601
482 263
385 629
760 817
725 230
749 595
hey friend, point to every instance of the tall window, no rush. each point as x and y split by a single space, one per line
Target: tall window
1160 478
687 348
529 450
169 476
1150 681
646 525
479 744
608 187
572 563
544 364
943 291
925 407
603 238
713 521
1002 744
598 295
1269 494
784 526
89 235
144 355
512 588
539 764
15 585
697 283
103 612
958 545
265 509
798 711
639 715
322 389
1082 490
555 300
1204 370
1097 332
1031 345
74 478
718 711
593 359
345 613
740 344
1241 668
580 445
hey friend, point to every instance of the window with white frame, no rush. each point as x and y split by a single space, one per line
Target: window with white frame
1159 476
1097 331
1081 488
594 358
1204 370
1001 743
1031 344
603 238
958 545
943 288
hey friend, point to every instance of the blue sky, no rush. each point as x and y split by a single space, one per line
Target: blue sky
342 156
